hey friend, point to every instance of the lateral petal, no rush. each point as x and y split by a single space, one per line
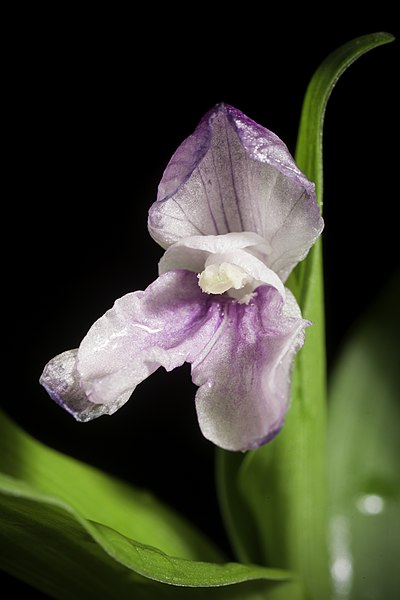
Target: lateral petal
167 324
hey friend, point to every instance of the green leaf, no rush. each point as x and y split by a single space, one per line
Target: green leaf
309 141
239 520
134 513
282 486
364 456
68 529
48 544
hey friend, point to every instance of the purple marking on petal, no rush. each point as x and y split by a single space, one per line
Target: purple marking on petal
234 175
62 382
244 377
241 357
167 324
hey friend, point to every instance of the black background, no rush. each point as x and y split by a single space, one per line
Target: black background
97 106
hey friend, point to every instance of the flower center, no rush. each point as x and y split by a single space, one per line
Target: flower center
235 263
219 278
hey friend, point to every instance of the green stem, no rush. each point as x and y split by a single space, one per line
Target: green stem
283 485
301 451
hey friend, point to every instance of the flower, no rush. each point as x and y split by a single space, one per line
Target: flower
234 215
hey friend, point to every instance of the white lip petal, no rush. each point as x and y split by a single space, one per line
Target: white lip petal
244 378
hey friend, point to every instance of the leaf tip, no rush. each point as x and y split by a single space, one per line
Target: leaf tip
382 37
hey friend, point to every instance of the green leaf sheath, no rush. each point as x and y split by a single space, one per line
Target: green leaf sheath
73 532
239 521
281 488
364 456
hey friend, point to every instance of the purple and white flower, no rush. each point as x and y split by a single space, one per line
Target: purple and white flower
234 215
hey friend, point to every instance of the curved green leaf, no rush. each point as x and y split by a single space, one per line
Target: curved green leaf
143 560
238 519
99 497
47 543
364 456
283 484
68 529
309 141
309 146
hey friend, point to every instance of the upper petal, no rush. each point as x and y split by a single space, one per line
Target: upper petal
167 324
244 378
233 175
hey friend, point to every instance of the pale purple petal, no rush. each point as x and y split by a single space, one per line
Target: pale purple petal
244 376
233 175
167 325
241 357
62 382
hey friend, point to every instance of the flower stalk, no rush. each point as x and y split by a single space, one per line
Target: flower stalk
282 487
